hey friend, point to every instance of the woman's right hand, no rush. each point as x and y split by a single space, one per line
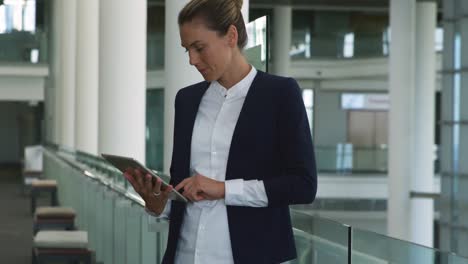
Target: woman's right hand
154 195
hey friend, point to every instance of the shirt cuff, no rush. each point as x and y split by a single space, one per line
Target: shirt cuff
234 190
151 212
164 214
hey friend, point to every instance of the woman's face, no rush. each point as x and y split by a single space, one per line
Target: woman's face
208 52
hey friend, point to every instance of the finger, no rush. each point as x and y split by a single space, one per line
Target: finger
182 184
188 192
168 190
148 183
130 179
138 177
157 186
198 197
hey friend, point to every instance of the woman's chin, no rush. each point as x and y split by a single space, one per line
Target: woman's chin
208 77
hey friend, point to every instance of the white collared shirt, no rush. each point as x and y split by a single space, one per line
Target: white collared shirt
204 236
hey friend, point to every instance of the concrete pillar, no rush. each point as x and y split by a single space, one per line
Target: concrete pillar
401 89
68 60
179 73
422 210
122 77
56 72
282 28
245 11
87 76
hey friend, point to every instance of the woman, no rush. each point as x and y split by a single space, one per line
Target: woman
242 150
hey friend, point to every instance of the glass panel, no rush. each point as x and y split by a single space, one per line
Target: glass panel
108 226
155 50
155 37
464 155
308 97
20 40
92 207
155 129
160 228
346 158
133 237
149 247
369 247
319 240
120 224
464 95
100 224
447 58
344 34
256 49
463 29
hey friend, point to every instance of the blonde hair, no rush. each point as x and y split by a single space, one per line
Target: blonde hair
218 15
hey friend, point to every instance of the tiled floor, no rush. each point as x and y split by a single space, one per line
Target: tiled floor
15 218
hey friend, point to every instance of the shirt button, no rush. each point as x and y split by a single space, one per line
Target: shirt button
214 153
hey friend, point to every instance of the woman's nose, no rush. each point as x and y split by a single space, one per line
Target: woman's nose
193 58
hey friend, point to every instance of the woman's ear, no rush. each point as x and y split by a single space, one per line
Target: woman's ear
232 36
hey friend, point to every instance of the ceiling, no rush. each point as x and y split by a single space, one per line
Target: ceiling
377 5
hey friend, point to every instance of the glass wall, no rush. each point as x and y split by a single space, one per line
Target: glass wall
155 36
320 34
23 30
454 128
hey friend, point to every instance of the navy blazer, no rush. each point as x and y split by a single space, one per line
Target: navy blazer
271 142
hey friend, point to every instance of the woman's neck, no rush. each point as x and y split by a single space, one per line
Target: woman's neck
237 71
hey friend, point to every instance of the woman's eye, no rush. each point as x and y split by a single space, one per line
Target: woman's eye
199 49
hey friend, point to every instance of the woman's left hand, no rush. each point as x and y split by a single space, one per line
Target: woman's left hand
199 187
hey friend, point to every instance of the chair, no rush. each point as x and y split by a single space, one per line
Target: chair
54 246
46 218
40 186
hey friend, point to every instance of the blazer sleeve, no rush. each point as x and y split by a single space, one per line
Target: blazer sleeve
297 183
176 118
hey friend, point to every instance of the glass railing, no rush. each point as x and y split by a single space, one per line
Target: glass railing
120 231
338 45
370 247
345 158
23 47
319 240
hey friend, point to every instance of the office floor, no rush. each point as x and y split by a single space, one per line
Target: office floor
15 218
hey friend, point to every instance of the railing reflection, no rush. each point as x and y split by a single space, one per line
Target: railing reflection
345 158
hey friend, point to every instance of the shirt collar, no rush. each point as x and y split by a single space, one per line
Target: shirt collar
240 89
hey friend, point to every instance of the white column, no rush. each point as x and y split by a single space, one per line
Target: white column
282 28
68 62
401 88
422 210
245 11
179 73
87 81
122 78
56 71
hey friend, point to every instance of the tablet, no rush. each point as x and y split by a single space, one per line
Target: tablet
124 163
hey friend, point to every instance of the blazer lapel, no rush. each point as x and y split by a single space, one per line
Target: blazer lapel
243 122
